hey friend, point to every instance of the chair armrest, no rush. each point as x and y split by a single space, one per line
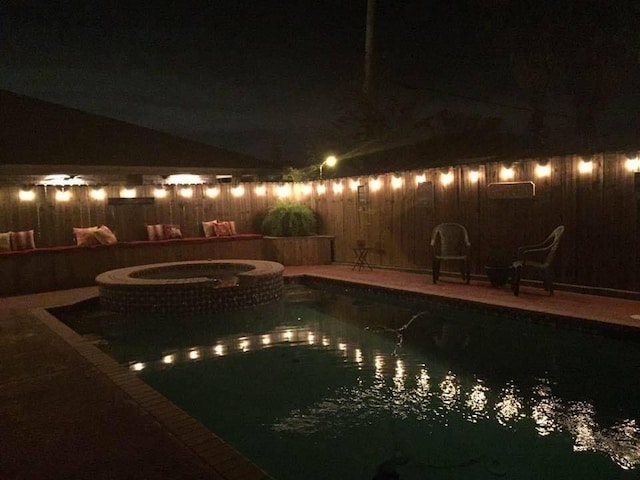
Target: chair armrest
530 248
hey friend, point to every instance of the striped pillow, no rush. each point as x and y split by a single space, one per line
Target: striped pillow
155 232
22 240
5 242
209 229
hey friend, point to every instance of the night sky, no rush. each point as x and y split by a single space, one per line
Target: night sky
265 76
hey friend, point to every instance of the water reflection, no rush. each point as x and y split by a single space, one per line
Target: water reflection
509 407
477 402
392 384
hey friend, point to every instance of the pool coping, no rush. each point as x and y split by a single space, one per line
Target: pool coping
585 325
225 461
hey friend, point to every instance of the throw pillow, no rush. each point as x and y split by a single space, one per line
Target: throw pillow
209 229
222 229
171 231
155 232
22 240
105 236
85 236
5 241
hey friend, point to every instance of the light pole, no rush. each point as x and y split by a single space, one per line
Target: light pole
330 161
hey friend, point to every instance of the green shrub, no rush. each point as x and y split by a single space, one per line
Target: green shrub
289 219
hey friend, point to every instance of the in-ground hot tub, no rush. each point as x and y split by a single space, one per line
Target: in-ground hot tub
191 287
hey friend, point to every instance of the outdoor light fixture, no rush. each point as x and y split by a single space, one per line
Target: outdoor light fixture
219 350
98 194
194 354
507 173
27 195
307 189
446 178
266 339
633 164
283 191
63 195
237 191
337 187
543 170
375 184
212 192
62 180
186 192
421 178
354 184
585 166
396 182
128 193
261 190
474 176
183 179
330 161
159 192
321 189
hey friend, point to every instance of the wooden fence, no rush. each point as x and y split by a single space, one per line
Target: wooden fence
598 209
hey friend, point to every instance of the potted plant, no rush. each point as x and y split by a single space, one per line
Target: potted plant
290 230
289 219
498 267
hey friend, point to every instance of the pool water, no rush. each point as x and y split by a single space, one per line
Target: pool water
329 386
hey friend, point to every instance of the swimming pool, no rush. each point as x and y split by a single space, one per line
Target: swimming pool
326 385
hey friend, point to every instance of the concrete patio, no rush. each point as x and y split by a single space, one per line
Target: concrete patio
68 411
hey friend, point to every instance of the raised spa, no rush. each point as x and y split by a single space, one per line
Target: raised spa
191 287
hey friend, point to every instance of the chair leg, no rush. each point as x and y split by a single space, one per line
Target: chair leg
515 281
467 271
549 282
434 270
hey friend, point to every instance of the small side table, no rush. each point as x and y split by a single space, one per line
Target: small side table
361 258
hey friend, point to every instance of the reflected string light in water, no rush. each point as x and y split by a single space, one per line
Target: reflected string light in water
477 402
399 376
509 408
449 391
311 338
244 344
357 356
422 382
266 340
168 359
622 443
378 362
325 342
582 424
544 411
287 336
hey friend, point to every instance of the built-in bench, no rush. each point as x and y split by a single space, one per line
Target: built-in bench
58 268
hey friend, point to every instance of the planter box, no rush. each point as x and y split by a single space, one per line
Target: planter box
289 251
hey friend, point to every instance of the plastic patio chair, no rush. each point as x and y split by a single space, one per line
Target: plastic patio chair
450 241
537 257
